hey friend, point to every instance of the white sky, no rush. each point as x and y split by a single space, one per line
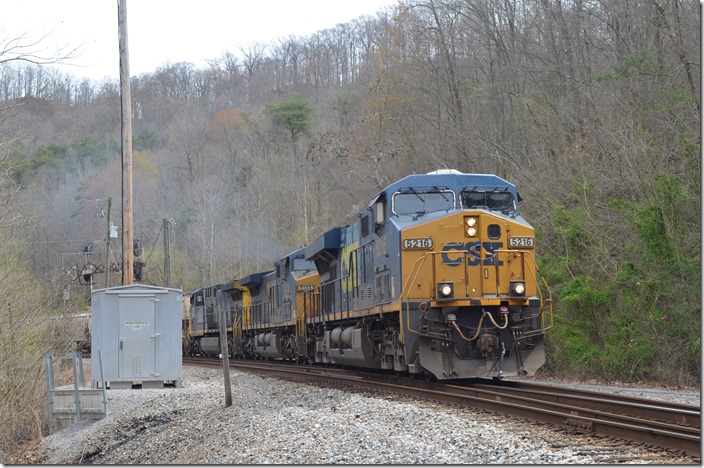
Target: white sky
174 31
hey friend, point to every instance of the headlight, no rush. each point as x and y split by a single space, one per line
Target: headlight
445 290
518 288
470 226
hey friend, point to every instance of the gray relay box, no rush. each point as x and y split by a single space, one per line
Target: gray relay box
137 330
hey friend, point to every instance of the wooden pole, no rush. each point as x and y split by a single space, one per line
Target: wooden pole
225 360
167 254
107 248
126 118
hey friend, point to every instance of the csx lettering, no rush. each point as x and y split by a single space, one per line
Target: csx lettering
474 255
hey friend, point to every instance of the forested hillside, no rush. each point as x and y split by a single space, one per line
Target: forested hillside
591 107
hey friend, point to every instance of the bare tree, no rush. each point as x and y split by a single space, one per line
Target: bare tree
33 49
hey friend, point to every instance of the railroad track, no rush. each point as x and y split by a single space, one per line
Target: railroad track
671 426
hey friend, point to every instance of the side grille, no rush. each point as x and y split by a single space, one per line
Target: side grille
382 288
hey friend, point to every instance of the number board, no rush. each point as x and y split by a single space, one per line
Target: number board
424 243
515 242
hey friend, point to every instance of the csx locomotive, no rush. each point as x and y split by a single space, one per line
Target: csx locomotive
436 278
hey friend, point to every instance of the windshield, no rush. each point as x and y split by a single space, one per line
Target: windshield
492 200
418 202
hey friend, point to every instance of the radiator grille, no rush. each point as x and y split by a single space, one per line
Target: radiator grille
383 288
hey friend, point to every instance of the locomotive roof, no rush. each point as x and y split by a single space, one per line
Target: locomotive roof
452 180
255 279
448 178
299 253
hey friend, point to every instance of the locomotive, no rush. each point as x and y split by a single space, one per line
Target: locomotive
437 278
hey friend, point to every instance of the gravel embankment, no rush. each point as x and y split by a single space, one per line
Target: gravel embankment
273 421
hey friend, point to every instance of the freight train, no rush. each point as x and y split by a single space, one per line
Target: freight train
437 278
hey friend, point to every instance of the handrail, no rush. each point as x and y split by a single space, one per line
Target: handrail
545 304
406 290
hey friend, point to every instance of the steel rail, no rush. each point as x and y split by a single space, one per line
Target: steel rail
580 411
677 413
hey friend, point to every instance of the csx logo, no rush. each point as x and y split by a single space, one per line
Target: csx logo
473 249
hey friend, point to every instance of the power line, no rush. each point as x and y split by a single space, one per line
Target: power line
55 242
53 202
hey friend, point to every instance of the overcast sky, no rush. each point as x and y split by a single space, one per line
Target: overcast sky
161 31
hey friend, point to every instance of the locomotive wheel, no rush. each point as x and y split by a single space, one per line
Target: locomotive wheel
303 360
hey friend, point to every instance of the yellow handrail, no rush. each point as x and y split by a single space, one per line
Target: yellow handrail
406 291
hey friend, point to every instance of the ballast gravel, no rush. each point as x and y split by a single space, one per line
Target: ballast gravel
280 422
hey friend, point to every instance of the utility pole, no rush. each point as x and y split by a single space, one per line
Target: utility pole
167 254
224 352
107 248
127 209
